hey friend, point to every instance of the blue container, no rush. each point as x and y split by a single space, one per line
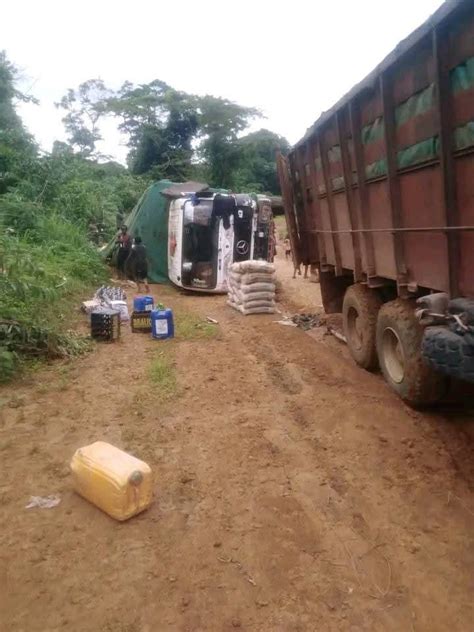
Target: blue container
162 325
143 303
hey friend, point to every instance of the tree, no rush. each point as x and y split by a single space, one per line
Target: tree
256 169
220 123
85 107
161 124
17 147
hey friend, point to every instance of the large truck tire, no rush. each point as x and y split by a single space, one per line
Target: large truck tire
359 317
399 339
449 352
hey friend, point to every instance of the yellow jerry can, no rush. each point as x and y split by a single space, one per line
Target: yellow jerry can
111 479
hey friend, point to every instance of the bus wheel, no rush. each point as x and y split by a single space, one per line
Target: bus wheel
359 316
399 337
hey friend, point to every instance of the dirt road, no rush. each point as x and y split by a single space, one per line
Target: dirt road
294 492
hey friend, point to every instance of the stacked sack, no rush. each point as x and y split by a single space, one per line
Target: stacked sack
252 287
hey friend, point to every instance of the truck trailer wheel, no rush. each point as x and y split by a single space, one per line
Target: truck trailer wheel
359 316
399 337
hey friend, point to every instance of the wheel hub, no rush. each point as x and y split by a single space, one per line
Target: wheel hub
354 328
394 356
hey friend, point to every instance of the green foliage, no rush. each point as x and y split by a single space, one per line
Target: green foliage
84 108
190 326
162 374
16 145
160 123
179 136
42 272
256 169
47 262
221 121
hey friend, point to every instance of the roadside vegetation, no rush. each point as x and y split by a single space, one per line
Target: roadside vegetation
57 207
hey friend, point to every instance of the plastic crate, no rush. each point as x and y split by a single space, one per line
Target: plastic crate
105 325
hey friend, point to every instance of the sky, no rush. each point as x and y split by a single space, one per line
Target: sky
292 60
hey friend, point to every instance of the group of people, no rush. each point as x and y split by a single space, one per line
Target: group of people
132 261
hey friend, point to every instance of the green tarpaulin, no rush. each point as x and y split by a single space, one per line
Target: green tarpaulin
149 220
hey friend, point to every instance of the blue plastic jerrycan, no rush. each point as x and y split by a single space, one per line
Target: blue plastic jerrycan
162 325
143 303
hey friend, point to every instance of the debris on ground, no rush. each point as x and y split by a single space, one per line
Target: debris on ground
306 321
303 321
213 321
336 334
43 502
286 321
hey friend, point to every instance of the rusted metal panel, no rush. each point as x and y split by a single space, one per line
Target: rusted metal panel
460 44
361 191
289 206
304 209
317 224
380 217
374 151
465 194
310 201
349 193
462 106
446 155
425 253
345 239
392 177
327 231
370 106
330 204
414 73
416 129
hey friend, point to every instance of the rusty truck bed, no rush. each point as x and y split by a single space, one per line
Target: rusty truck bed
381 187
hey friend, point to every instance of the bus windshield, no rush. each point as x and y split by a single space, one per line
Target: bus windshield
200 236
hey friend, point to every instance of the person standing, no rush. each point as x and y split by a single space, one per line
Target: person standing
124 242
137 264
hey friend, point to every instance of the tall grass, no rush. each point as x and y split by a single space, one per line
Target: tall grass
43 273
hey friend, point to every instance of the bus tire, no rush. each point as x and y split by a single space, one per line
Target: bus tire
359 316
399 349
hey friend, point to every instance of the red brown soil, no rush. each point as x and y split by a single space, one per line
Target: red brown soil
294 491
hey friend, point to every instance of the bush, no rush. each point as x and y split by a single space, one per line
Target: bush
42 274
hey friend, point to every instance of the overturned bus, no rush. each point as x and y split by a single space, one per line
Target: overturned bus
193 233
209 231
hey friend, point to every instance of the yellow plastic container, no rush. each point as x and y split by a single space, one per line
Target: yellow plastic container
111 479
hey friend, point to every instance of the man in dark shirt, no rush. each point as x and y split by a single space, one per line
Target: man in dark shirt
137 264
124 242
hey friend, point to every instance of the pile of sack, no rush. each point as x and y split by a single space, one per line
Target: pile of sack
251 286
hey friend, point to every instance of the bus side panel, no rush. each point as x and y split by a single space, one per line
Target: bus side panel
426 254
